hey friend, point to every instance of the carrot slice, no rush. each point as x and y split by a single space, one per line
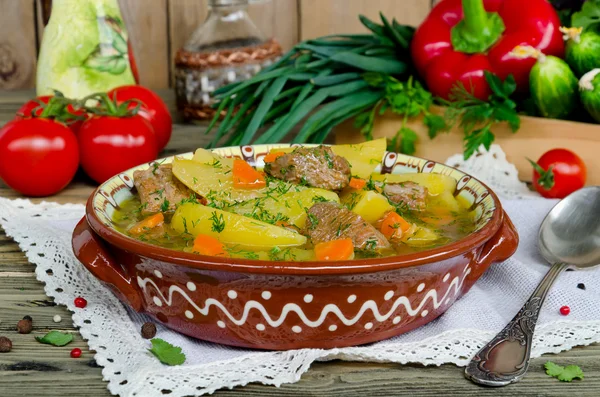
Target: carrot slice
391 223
357 183
246 177
208 245
335 250
148 223
272 156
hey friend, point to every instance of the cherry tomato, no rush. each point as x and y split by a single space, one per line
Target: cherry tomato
109 145
154 110
39 157
558 173
26 111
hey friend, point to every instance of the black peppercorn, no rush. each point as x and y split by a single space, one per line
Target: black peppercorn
28 318
581 286
148 330
5 344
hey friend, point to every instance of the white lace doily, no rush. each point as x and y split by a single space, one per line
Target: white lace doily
44 234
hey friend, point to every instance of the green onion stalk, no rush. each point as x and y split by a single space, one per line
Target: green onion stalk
322 79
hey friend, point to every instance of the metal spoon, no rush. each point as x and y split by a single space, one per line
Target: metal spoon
569 237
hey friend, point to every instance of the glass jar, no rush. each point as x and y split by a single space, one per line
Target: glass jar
226 48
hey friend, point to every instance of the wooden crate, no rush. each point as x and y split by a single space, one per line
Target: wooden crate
536 136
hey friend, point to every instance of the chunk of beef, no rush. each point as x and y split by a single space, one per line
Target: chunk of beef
316 167
329 221
159 190
410 194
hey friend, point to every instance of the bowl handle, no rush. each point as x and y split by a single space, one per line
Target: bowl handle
500 247
91 252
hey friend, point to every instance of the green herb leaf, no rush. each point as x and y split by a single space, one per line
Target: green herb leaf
55 338
477 138
166 352
588 16
477 117
435 124
553 369
218 223
564 374
404 141
164 207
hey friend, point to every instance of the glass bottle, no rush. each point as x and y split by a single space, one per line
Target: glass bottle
85 49
226 48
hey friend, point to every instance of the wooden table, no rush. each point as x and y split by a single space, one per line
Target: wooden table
34 369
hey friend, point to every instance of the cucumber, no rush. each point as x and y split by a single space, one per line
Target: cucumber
583 52
589 87
554 87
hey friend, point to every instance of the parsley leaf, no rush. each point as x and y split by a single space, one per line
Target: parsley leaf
166 352
55 338
408 99
477 138
564 374
407 138
477 117
435 124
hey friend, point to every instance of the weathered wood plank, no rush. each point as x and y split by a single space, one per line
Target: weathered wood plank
147 27
17 44
16 304
320 18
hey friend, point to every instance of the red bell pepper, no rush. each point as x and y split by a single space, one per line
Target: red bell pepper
460 40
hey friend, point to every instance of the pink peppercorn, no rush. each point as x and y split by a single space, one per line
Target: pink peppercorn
80 302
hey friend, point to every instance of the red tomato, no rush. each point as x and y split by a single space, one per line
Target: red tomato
26 111
109 145
568 173
39 156
154 110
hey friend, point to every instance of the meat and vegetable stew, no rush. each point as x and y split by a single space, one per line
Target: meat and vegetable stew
308 203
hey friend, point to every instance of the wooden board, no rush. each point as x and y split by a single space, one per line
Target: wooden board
18 40
320 18
536 136
147 27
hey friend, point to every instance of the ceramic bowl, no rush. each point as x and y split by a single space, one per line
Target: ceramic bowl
290 305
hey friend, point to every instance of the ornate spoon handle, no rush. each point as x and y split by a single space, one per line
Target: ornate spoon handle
505 358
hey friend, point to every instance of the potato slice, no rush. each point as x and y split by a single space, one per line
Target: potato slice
210 158
422 237
370 205
215 182
435 183
247 233
445 201
291 205
363 157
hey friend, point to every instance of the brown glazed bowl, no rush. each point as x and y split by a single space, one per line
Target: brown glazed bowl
291 305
